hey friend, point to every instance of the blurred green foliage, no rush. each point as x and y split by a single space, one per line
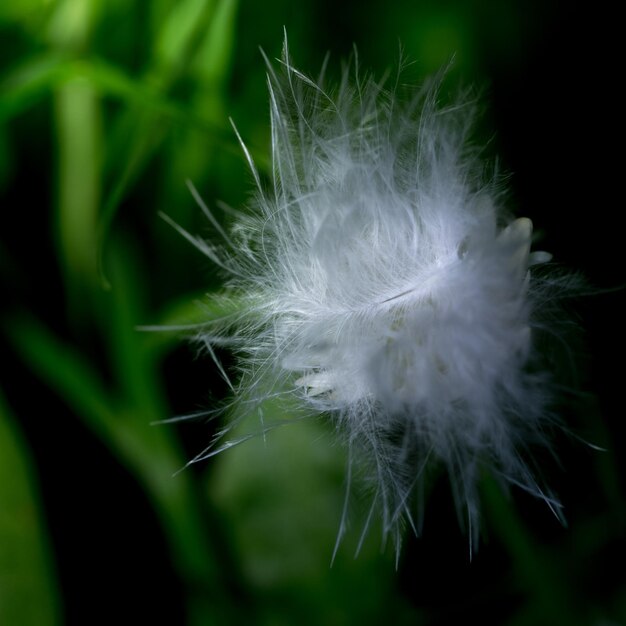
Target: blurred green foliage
28 589
106 108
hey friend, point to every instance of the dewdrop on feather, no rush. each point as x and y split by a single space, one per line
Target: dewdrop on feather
382 284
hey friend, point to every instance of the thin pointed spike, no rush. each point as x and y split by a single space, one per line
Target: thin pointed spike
470 534
344 514
159 328
205 209
218 364
366 526
200 245
248 156
397 540
183 418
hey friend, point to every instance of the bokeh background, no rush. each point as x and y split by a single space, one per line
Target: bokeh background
106 108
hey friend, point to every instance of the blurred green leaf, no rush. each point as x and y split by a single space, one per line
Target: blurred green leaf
32 79
196 153
133 367
27 82
212 63
67 372
79 139
148 451
72 22
283 495
178 29
126 428
23 11
196 37
193 22
28 590
79 136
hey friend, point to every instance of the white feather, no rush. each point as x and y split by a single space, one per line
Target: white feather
383 287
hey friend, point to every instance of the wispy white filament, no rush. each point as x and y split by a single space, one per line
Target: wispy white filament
384 286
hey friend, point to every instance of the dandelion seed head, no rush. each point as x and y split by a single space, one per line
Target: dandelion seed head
385 286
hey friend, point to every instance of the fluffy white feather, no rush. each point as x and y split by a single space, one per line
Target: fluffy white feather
384 286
